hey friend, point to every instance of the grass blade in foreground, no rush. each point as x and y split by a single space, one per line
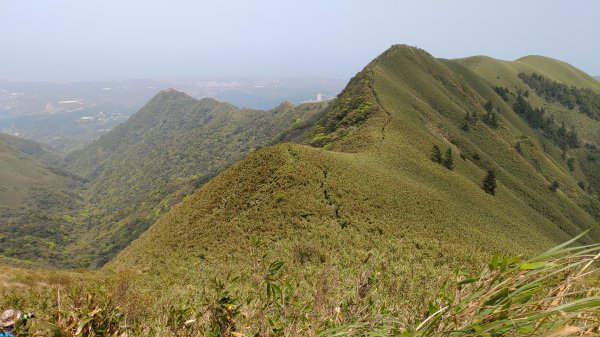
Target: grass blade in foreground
556 293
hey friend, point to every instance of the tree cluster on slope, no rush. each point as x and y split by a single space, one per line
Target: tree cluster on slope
569 96
436 156
537 119
489 117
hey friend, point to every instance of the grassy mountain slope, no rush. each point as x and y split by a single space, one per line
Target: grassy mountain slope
39 151
33 197
560 71
161 154
372 193
504 74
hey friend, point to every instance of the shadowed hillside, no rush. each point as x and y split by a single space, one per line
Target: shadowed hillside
33 198
373 193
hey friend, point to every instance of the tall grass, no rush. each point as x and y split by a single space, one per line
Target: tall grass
555 293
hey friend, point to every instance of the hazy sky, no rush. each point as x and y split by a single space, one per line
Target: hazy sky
116 39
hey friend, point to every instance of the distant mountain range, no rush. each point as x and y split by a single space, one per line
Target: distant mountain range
73 114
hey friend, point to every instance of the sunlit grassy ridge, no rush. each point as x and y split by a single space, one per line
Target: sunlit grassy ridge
376 194
560 71
504 74
501 72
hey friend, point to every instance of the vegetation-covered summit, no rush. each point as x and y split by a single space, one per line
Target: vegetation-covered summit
172 146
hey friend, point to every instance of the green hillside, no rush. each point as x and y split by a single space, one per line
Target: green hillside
559 71
367 190
497 73
33 197
503 73
39 151
164 152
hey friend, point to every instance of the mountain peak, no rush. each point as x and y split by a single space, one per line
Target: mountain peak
172 93
405 47
208 100
402 49
176 94
285 105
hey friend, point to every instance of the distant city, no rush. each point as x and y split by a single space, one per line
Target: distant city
69 115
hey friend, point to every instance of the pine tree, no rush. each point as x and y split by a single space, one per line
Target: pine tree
436 154
573 139
489 183
571 164
488 106
490 119
493 120
448 160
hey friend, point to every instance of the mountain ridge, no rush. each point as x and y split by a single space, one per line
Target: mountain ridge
372 190
392 112
549 67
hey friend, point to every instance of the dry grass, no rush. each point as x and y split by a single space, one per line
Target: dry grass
552 294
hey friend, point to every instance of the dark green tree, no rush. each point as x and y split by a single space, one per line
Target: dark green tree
436 154
448 161
489 183
554 186
490 119
488 106
519 148
502 92
572 138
